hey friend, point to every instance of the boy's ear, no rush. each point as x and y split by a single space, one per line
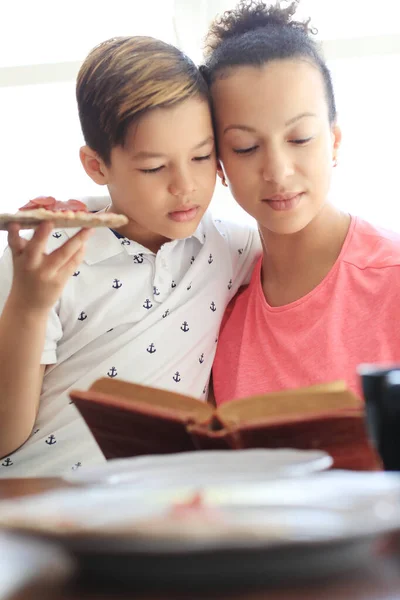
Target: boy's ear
93 165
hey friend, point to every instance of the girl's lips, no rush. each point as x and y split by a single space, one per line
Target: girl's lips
284 202
182 216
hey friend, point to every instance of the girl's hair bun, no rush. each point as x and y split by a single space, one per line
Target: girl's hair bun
250 15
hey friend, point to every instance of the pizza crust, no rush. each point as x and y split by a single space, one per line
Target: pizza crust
29 219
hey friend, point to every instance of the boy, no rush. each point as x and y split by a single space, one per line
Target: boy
143 303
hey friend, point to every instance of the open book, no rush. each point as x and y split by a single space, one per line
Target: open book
127 419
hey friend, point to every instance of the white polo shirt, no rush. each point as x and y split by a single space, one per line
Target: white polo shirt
126 312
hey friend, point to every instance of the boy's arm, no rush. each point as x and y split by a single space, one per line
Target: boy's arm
252 250
38 281
22 338
245 248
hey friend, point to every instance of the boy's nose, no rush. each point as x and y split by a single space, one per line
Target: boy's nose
182 184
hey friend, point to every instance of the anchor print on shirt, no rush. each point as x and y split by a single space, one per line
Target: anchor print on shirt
57 234
205 389
76 466
125 242
189 287
173 284
240 251
7 462
82 316
76 274
166 313
177 377
117 284
151 349
112 372
138 258
201 359
147 304
156 291
185 326
51 440
230 284
213 307
210 259
192 260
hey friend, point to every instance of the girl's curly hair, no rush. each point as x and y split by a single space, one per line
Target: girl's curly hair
255 33
250 15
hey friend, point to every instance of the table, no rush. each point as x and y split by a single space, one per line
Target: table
378 580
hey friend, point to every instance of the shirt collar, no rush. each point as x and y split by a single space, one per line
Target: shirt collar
104 243
199 234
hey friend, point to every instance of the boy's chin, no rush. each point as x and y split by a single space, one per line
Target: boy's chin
179 231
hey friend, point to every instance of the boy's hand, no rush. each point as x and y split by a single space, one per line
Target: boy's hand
39 278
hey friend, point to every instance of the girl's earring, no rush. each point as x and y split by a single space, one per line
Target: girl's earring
224 182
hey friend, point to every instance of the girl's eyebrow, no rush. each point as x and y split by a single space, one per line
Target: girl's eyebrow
298 117
252 130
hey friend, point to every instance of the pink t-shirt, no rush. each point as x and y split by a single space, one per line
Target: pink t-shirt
351 317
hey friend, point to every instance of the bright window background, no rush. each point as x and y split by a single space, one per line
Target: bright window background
43 42
45 31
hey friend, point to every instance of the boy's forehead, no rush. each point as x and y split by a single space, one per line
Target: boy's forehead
190 119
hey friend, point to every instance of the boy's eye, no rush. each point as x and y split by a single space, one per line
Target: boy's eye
155 170
200 158
300 141
245 150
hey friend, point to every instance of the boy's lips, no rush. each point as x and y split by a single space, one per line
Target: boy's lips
184 213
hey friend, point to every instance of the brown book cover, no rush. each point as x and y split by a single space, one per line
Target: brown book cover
127 419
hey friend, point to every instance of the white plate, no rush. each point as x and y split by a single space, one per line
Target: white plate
23 562
205 467
245 534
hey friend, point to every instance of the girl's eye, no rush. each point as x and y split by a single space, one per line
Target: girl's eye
156 170
301 141
200 158
245 150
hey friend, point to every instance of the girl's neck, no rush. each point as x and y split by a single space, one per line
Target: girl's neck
293 265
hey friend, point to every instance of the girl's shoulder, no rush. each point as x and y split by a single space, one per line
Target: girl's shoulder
371 246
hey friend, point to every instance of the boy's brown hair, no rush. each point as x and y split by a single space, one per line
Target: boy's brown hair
125 77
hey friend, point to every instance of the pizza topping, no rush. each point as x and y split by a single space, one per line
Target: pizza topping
50 203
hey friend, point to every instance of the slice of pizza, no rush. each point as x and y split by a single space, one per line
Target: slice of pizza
71 213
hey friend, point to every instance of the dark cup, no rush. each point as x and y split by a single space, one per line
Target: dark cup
381 389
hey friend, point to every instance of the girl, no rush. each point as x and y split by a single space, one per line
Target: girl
325 295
